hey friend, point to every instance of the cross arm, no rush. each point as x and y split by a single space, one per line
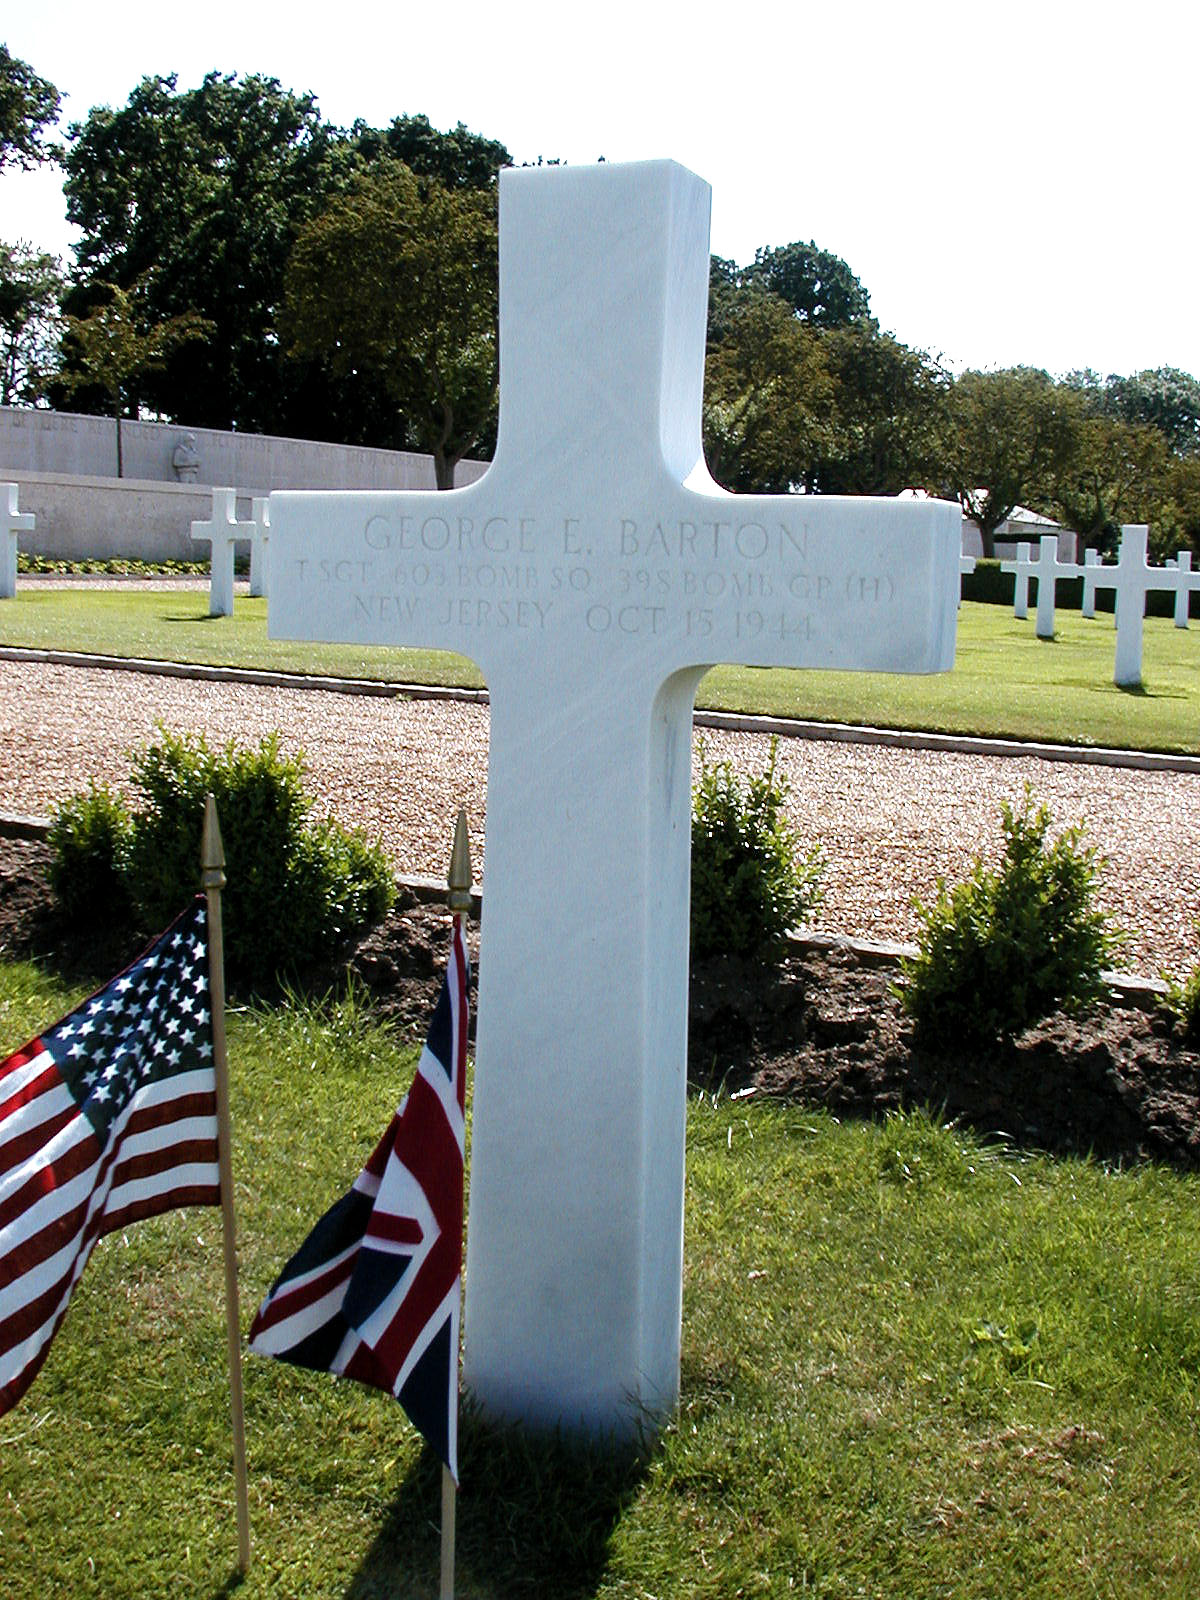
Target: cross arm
682 577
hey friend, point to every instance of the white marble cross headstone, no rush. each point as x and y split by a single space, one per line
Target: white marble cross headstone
260 546
1087 605
1022 569
966 566
594 572
1186 581
222 531
12 524
1048 570
1132 578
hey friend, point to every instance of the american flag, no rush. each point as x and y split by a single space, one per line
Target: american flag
373 1292
107 1117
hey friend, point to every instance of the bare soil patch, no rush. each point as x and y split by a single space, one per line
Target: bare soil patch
824 1029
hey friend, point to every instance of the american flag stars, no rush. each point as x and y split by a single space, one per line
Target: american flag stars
149 1023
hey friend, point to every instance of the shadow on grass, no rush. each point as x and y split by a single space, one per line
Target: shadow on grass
534 1518
232 1584
1139 691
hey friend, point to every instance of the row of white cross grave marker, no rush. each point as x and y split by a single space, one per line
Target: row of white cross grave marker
15 523
222 531
1132 578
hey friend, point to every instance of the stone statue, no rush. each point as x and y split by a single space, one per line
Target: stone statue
185 460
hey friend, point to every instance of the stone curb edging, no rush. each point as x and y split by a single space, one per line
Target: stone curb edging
731 721
952 743
257 676
1128 989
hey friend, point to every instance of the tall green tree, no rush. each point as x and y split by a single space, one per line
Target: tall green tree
398 279
724 297
889 412
1162 397
28 109
118 347
31 287
1008 436
818 285
1114 473
768 399
1176 524
210 188
199 195
458 158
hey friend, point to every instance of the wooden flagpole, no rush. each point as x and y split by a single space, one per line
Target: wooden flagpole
213 881
459 902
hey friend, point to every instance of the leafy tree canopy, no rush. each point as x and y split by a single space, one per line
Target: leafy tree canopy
1114 473
118 346
207 190
1166 399
398 279
1177 525
31 287
889 412
198 195
768 399
1008 434
819 286
830 403
28 107
458 159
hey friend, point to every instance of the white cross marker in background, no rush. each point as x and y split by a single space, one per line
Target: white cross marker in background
222 531
1132 578
1185 583
260 546
1087 605
1022 569
1049 570
14 523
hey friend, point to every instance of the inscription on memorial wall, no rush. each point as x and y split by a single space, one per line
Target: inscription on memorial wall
741 578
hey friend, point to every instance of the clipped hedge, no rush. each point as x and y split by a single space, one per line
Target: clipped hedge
1006 948
90 836
752 879
296 887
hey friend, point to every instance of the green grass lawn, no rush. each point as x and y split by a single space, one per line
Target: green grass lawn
1005 682
914 1365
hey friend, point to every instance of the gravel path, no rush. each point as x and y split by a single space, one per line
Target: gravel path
889 820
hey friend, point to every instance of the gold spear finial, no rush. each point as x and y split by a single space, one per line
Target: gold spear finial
459 876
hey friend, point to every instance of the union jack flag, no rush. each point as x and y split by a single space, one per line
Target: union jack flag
107 1117
373 1293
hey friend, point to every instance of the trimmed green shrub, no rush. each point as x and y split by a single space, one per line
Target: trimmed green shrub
1182 1000
295 887
1004 949
90 836
751 879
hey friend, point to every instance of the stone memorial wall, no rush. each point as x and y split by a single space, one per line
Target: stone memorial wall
65 465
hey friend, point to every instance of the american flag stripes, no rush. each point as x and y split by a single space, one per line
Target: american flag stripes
108 1117
373 1293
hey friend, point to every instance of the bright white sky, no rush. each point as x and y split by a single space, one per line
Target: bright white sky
1013 183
